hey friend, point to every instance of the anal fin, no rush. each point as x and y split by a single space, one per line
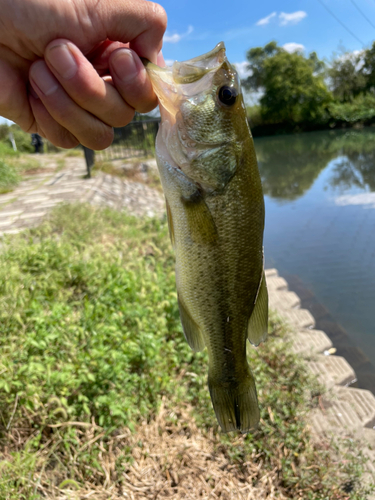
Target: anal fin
257 328
192 332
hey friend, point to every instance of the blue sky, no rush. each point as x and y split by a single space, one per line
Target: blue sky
196 26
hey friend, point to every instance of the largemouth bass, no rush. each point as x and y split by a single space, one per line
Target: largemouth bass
215 212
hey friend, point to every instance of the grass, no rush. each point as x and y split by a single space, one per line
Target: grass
75 152
15 166
9 177
97 381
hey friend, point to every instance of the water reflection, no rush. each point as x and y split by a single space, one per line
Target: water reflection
367 200
289 165
320 226
355 170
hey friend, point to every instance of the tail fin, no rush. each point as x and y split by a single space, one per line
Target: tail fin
235 407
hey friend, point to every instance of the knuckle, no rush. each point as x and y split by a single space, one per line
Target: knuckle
121 120
69 142
62 138
62 114
99 139
160 18
86 94
146 106
31 127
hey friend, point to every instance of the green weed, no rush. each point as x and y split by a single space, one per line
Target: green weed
74 153
9 177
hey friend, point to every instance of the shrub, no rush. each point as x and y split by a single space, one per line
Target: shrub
359 109
8 177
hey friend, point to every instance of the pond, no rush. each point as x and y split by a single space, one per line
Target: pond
320 232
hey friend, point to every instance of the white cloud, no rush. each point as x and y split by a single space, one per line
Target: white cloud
172 38
292 18
176 37
293 47
266 20
367 200
169 62
351 55
242 70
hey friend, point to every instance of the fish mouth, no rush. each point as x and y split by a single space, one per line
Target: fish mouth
184 79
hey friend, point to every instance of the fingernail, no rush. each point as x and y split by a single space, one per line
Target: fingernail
62 60
124 65
43 79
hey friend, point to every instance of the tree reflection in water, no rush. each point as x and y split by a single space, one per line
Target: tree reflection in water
289 164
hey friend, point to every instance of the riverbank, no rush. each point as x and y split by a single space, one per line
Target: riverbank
343 410
275 129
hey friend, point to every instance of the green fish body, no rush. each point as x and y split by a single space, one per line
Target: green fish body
215 210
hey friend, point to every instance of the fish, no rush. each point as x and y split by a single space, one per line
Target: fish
215 211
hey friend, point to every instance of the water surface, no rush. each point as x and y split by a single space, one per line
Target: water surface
320 232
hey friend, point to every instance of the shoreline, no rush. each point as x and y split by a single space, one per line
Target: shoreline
273 130
345 411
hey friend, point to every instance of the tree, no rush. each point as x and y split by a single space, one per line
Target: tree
347 79
368 68
293 85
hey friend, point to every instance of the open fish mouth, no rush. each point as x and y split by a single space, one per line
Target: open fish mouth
185 79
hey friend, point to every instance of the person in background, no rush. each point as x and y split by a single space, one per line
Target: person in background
37 142
70 70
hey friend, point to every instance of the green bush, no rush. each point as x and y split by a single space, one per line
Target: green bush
23 139
9 177
7 150
254 114
4 131
359 109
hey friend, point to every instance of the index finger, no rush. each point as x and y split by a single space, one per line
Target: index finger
139 22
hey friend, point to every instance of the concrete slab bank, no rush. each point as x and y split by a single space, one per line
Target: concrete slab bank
344 411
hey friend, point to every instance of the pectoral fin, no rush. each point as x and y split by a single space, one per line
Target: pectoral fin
192 332
257 328
201 223
170 222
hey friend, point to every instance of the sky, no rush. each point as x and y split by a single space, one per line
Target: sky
328 27
196 26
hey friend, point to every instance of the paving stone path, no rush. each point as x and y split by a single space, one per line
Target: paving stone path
344 411
33 198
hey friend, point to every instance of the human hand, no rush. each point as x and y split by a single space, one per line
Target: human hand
74 89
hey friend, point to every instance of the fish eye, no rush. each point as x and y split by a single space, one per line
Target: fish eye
227 95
